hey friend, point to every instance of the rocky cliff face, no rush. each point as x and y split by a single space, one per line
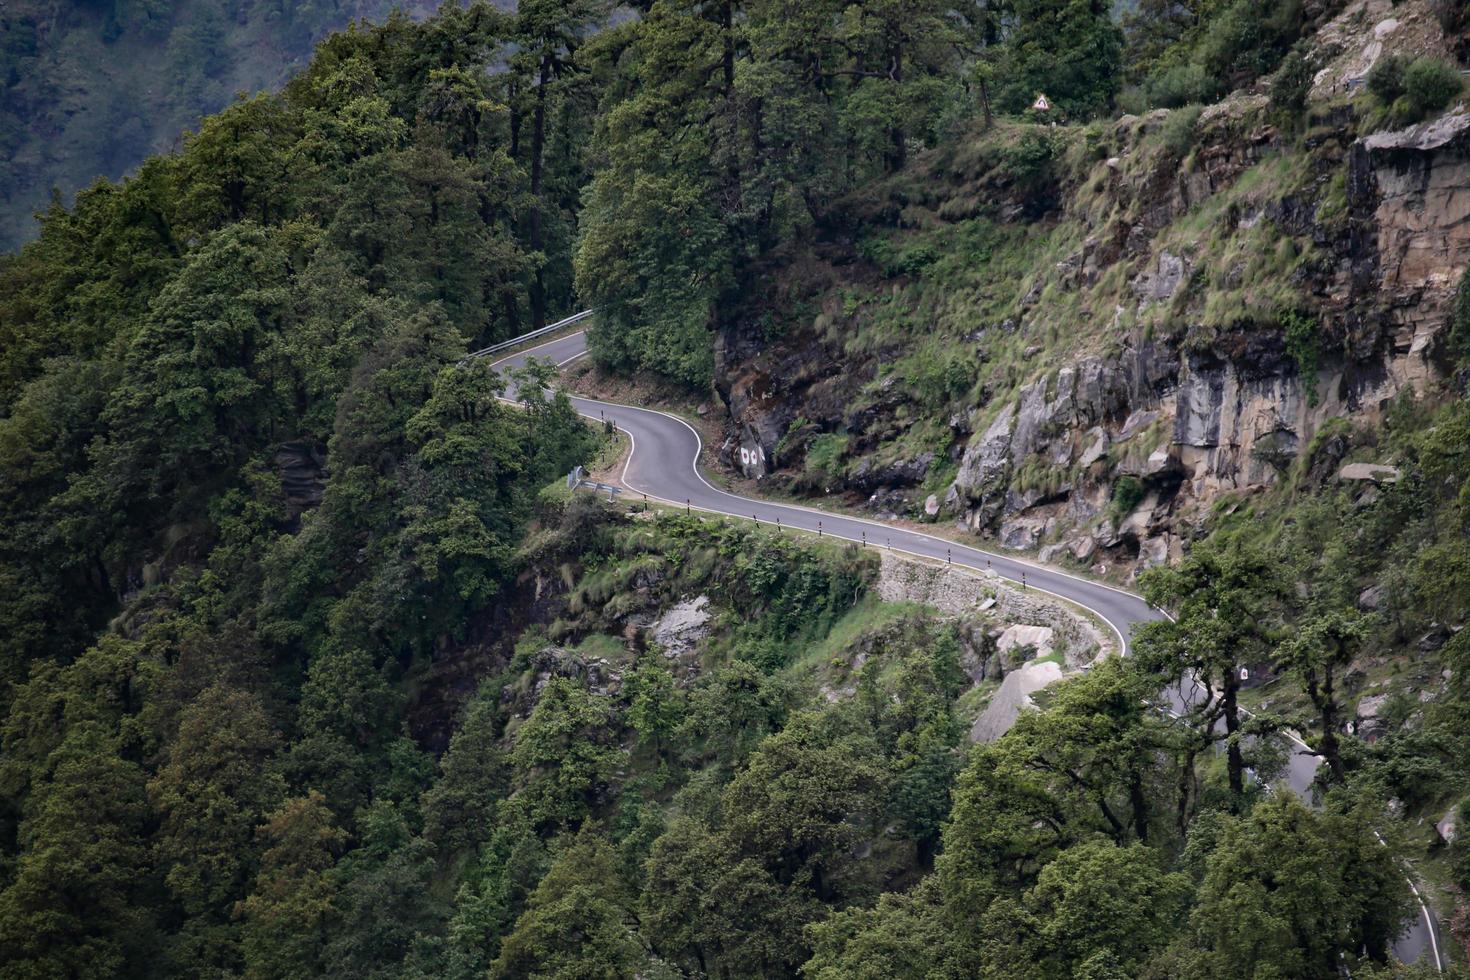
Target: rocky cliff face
1189 424
1171 372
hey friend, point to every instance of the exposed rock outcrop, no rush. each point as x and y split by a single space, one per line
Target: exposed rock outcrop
1017 637
302 468
682 628
1109 453
1013 697
1238 413
1374 472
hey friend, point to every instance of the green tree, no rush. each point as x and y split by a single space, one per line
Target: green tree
903 55
55 597
285 914
1092 763
468 472
197 397
654 251
81 900
549 32
1431 84
557 438
345 695
235 167
579 921
906 934
1292 85
102 687
1098 902
1280 898
653 705
797 803
731 709
1226 596
1070 50
382 897
337 323
706 905
214 787
1386 77
1099 744
494 893
1318 651
651 256
565 754
473 775
1005 825
1154 26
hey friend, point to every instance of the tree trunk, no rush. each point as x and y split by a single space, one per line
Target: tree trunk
898 152
1186 790
537 235
728 60
512 315
1234 760
1327 709
514 98
1139 801
732 144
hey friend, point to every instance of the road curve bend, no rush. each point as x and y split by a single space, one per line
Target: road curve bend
664 465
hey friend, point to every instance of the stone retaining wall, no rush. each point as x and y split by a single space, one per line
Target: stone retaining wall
964 592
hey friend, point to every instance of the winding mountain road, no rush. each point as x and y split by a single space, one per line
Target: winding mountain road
664 465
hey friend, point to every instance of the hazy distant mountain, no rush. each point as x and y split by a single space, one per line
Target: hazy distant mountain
88 89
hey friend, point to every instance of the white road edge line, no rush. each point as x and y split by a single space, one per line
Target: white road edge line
1424 911
633 448
813 510
694 467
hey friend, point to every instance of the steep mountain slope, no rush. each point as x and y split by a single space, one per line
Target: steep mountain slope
311 664
1077 338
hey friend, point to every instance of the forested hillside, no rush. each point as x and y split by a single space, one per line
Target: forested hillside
88 90
311 665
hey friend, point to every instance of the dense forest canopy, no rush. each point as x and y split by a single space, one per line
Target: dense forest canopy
309 665
739 123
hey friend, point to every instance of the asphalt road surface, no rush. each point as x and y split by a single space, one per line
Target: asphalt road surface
664 465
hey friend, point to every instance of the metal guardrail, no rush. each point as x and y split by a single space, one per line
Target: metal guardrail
596 487
577 479
549 328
